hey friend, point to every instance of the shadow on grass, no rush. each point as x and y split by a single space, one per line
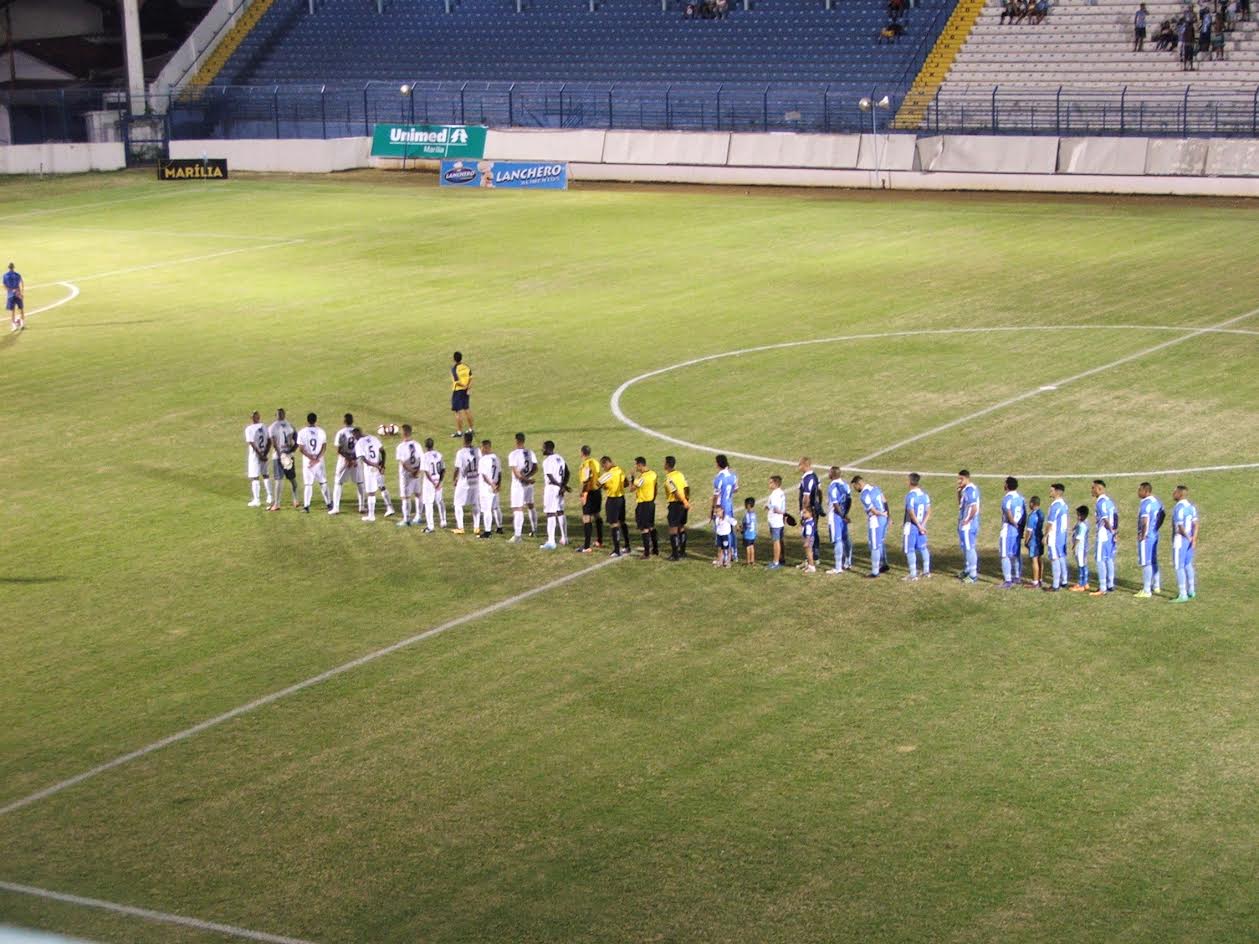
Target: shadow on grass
96 324
22 580
224 486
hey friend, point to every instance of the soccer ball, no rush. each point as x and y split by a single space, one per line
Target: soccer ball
387 429
405 90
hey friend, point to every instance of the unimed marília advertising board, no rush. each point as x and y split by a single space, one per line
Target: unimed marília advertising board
429 142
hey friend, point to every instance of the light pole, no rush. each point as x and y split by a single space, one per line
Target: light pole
873 107
406 90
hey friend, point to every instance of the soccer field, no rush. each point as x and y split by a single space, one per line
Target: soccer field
569 747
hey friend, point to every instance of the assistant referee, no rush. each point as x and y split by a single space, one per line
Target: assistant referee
645 488
460 395
679 495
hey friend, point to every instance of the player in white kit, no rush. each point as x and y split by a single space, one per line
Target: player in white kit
410 476
347 466
554 485
371 459
491 475
467 484
312 442
524 465
433 491
284 440
257 445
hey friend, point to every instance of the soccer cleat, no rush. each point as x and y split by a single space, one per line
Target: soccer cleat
1099 593
368 518
970 580
328 505
485 535
254 504
1050 589
404 523
585 550
1181 599
598 544
1193 594
1078 588
883 569
498 530
456 434
834 570
515 539
811 569
306 508
1144 595
774 566
389 512
428 530
870 576
548 546
456 530
333 511
909 579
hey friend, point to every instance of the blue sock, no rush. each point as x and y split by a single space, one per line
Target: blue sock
972 562
1191 579
1006 568
926 561
839 555
1147 577
1182 582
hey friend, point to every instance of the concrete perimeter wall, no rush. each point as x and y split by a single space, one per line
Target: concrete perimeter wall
61 158
1208 166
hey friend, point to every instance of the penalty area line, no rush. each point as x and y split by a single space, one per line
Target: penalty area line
297 687
147 914
173 262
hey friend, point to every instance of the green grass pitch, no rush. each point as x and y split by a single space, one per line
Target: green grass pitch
647 752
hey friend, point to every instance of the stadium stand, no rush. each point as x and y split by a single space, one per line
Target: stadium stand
1076 72
789 64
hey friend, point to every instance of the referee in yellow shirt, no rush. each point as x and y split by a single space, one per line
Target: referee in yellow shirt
460 395
645 508
613 482
591 499
679 495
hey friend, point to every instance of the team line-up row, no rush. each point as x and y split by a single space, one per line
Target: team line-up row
273 451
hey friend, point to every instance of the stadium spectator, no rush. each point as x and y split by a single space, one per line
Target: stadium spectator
1009 10
1188 44
1038 11
895 10
891 32
1217 38
1138 29
1205 19
1166 38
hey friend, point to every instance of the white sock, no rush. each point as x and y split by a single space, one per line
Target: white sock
517 521
323 489
371 505
336 497
257 489
550 529
563 520
533 521
428 515
307 493
267 483
476 519
441 509
388 500
362 497
458 517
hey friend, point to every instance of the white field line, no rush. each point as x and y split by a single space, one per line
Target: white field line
239 237
161 917
74 293
1186 334
173 262
180 192
1053 385
298 687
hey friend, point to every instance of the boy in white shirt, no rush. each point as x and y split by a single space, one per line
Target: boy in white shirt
724 528
776 518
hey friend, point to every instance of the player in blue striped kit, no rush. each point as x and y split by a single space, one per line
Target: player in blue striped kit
917 514
1150 517
1107 518
968 526
1013 517
725 484
1057 530
838 505
1184 544
876 522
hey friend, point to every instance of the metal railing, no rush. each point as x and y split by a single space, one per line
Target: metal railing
1123 110
323 111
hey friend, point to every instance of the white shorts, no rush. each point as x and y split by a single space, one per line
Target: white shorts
521 495
488 500
408 484
372 479
255 468
429 491
552 500
312 474
465 494
347 472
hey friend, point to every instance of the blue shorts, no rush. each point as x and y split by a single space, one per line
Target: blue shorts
1009 541
1105 550
1058 551
749 538
915 540
1147 550
1036 549
723 540
14 302
459 400
776 533
966 536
